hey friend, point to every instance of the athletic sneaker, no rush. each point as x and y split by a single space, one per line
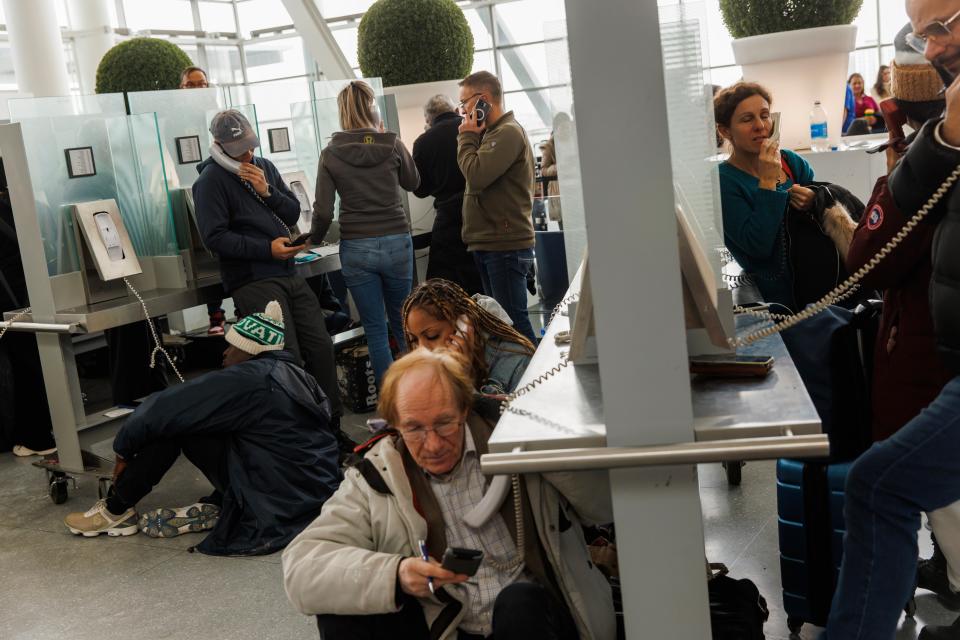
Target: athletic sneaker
24 451
99 520
169 523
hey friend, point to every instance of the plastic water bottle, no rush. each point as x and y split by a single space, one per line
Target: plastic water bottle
819 139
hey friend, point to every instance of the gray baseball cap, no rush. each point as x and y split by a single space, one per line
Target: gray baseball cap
234 133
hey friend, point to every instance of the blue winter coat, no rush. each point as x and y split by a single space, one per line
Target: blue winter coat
282 455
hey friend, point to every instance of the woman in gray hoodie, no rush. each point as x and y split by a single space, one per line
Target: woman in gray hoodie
367 167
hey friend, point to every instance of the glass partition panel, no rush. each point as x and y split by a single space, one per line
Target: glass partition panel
275 118
182 114
692 131
108 104
118 157
305 137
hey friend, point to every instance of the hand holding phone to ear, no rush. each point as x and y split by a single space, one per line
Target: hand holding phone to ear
256 177
769 173
463 337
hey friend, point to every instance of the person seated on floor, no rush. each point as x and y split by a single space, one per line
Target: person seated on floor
359 566
497 353
259 430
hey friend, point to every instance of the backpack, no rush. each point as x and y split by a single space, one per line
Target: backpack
737 610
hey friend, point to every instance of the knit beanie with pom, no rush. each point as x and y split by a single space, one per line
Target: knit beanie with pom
259 332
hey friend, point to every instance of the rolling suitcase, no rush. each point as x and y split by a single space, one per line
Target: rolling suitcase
810 496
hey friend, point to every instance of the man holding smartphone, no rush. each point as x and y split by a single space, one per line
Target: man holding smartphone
495 158
368 565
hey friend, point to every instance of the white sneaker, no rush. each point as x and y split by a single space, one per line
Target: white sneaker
23 452
99 520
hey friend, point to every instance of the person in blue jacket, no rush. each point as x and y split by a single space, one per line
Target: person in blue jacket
757 184
245 213
259 430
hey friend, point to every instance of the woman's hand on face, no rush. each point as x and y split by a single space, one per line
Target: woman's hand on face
769 169
801 197
462 339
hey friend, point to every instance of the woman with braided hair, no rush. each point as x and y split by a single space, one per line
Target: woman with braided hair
439 314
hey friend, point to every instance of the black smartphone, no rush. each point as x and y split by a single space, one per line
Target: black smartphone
481 110
459 560
299 240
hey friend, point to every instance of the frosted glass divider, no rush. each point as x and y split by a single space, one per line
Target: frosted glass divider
106 104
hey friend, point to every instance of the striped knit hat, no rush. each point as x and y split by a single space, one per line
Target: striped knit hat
259 332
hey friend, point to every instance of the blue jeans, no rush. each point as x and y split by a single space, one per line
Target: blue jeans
504 277
916 470
379 273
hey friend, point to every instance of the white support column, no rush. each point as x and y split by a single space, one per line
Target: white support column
318 39
37 47
90 19
621 120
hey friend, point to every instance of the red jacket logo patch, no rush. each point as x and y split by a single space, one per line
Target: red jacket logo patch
875 219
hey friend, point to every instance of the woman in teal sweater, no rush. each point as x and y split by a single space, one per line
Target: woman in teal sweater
757 184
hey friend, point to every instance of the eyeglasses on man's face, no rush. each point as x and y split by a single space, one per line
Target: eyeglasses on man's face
936 30
419 434
461 107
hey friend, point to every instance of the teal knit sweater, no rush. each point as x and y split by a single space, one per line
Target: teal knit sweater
753 227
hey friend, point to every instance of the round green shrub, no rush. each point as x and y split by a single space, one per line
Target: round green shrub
745 18
141 64
413 41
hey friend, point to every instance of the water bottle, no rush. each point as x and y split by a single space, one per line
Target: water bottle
819 140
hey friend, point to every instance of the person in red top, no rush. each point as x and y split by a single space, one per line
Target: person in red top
866 107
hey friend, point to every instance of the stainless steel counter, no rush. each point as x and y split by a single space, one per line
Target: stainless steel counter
570 404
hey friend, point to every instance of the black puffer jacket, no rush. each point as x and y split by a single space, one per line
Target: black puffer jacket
923 169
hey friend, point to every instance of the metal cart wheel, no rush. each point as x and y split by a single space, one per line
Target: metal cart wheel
58 488
794 624
911 607
734 469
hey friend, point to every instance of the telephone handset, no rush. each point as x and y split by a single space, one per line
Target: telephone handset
221 158
301 193
109 235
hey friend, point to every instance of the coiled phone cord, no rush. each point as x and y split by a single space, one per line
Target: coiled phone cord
22 314
846 288
153 331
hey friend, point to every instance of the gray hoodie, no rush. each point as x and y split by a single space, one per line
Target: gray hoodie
365 167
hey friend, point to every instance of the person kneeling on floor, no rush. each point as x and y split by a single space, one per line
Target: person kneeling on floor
419 490
259 430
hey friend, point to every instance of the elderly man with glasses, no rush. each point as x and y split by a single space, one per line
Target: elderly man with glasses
368 566
918 468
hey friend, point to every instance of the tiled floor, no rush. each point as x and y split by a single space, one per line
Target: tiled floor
54 585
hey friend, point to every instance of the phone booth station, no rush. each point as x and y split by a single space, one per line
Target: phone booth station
103 208
644 303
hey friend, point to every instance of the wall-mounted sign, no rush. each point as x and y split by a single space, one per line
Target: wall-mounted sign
279 139
80 162
188 150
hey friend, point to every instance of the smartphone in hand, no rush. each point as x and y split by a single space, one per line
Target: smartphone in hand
481 110
462 561
775 131
299 240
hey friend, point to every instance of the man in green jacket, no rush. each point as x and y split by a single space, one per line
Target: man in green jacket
495 157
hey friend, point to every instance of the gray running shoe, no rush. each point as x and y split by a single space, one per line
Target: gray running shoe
169 523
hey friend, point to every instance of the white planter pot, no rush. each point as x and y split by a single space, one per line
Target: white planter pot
799 67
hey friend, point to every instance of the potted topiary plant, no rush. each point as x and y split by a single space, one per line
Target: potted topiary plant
800 51
141 64
414 41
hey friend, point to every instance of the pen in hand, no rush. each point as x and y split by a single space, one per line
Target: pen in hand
426 558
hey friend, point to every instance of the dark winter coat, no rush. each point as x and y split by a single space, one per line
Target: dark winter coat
282 455
435 153
238 227
926 165
907 374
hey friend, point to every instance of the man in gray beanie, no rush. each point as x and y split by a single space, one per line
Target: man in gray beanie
259 430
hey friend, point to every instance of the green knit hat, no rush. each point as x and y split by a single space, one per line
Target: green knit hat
259 332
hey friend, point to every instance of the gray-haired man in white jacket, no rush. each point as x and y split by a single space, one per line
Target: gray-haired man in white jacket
359 566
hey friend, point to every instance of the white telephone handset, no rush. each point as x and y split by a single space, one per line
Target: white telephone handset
221 158
301 193
109 235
